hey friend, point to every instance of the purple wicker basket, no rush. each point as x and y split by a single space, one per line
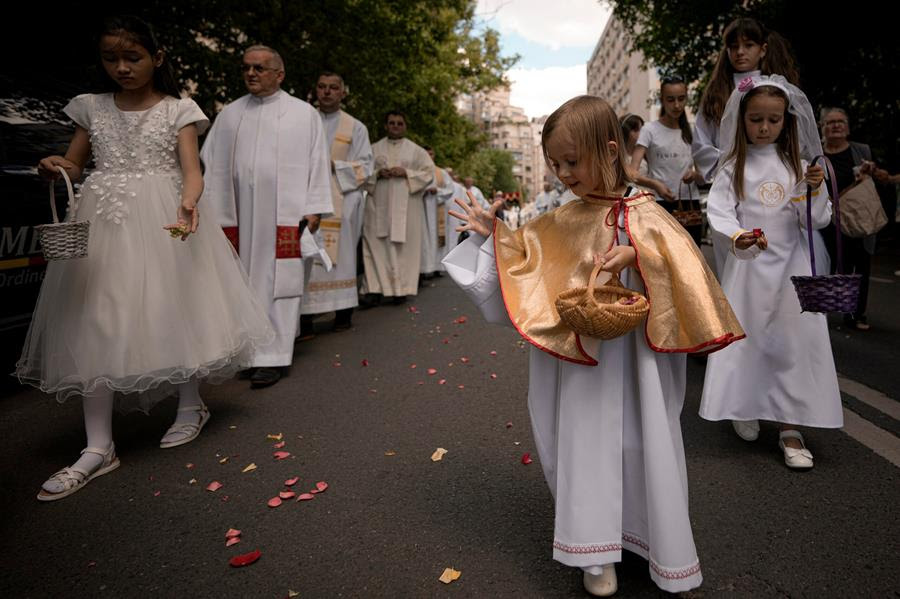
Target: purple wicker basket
826 293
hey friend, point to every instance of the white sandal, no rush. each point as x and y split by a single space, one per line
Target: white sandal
602 585
72 479
181 433
798 459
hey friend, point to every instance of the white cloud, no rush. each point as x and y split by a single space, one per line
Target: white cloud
550 23
541 91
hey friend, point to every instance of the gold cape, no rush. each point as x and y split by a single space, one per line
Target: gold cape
554 253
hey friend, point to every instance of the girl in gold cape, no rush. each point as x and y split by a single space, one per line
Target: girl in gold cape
605 415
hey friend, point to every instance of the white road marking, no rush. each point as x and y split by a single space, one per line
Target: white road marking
871 397
880 279
877 439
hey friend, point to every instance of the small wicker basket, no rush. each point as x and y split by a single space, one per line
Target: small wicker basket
827 293
605 312
68 239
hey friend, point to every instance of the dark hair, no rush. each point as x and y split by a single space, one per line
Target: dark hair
683 124
778 60
391 113
139 32
630 122
329 74
787 144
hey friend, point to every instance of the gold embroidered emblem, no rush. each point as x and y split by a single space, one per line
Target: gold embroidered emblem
771 193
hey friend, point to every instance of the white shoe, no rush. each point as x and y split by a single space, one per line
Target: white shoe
602 585
68 480
185 432
798 459
748 430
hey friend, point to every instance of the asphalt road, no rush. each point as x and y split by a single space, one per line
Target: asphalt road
392 519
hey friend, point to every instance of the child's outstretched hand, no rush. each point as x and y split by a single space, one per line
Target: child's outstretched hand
617 258
187 223
476 218
815 174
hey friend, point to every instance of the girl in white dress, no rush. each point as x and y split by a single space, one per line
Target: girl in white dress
149 311
784 372
605 415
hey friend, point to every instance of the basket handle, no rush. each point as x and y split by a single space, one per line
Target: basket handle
592 281
70 212
690 197
831 178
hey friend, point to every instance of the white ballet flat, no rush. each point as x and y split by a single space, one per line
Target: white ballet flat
602 585
72 479
798 459
181 433
748 430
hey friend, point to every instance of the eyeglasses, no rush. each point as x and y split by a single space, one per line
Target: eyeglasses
835 123
256 68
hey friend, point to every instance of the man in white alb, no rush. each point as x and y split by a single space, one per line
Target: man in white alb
351 165
267 172
469 184
394 221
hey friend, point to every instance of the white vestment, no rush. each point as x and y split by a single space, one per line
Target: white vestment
608 436
544 201
457 191
267 166
336 290
434 240
479 196
394 220
784 370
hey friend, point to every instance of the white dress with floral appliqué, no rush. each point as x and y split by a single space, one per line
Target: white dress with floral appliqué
142 311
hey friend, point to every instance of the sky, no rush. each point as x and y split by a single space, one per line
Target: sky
555 39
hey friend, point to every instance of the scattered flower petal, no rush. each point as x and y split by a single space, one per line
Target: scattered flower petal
449 575
509 425
432 371
438 454
232 541
445 341
277 437
291 481
464 360
526 458
493 353
225 498
193 481
517 442
321 485
413 309
214 486
412 365
91 564
223 460
373 390
390 452
156 493
336 364
461 320
232 532
245 560
188 465
287 494
232 427
249 467
280 455
493 375
280 444
305 496
274 502
365 362
421 383
442 382
293 593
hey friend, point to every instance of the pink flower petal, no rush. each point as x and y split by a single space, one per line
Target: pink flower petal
214 486
188 465
509 425
442 382
156 493
321 485
421 383
274 502
287 494
412 365
232 541
291 481
280 444
305 496
245 559
464 360
232 532
493 353
526 458
280 455
336 364
432 371
460 386
493 375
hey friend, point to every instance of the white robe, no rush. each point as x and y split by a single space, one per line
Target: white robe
248 183
457 191
337 290
432 250
479 196
394 220
784 370
544 201
608 437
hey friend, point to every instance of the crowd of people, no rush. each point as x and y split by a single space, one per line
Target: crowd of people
303 216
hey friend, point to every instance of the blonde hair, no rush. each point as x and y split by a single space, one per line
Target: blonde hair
592 124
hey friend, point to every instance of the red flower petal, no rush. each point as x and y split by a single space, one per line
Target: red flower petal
321 485
365 362
244 560
291 481
493 353
156 493
188 465
274 502
432 371
461 320
442 382
232 541
460 386
280 444
287 494
526 458
493 375
509 425
232 532
214 486
336 364
280 455
412 365
305 496
445 341
464 360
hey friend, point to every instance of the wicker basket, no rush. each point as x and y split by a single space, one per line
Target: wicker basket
68 239
827 293
606 312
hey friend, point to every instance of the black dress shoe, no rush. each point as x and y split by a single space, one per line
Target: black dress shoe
306 328
265 377
369 300
342 320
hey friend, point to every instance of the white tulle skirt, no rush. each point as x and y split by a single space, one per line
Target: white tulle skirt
142 312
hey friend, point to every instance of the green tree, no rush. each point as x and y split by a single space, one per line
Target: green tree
846 53
492 170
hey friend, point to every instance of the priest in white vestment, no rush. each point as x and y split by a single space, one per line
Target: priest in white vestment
469 184
394 220
456 191
267 169
434 241
351 166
